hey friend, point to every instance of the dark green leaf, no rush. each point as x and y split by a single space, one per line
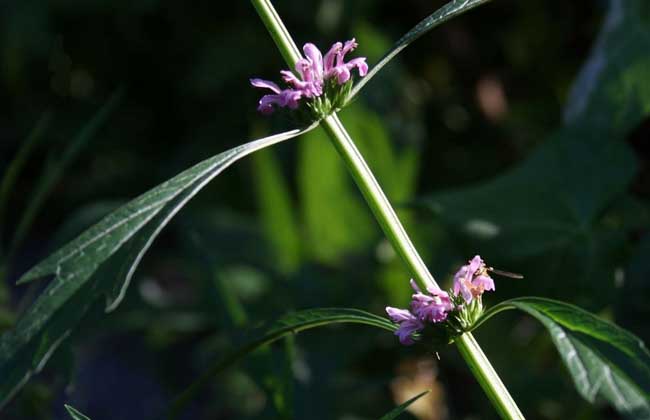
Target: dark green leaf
402 407
289 324
18 162
55 168
612 90
605 361
552 209
75 414
440 16
107 253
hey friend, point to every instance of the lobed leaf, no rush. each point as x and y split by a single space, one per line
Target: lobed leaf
101 262
603 359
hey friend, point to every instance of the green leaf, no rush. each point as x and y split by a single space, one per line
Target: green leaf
107 253
604 360
440 16
553 210
329 198
277 211
75 414
402 407
56 167
287 325
612 90
18 162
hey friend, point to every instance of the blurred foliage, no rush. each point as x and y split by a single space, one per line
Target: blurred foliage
480 119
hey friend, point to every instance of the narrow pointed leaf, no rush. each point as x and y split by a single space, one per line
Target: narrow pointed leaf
55 168
604 360
18 162
289 324
75 414
402 407
101 261
440 16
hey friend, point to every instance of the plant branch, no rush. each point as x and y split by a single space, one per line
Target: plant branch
377 200
385 215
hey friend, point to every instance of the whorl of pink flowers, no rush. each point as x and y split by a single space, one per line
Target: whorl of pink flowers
470 282
314 70
425 307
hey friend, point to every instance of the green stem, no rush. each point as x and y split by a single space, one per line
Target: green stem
377 200
385 215
278 31
488 378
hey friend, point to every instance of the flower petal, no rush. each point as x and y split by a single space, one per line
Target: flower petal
328 63
398 315
267 84
314 55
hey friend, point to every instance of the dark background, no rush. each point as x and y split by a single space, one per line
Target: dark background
286 229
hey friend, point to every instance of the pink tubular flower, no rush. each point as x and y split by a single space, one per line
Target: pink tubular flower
472 280
310 76
433 307
408 324
283 98
340 69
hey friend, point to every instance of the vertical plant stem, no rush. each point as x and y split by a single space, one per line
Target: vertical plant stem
385 215
377 200
487 377
278 31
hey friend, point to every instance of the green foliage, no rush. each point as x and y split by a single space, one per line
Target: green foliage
75 414
277 211
566 216
290 324
605 361
83 271
558 210
402 407
56 167
18 162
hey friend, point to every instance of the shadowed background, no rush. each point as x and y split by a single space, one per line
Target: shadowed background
116 97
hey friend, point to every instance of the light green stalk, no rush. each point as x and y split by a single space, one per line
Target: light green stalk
385 215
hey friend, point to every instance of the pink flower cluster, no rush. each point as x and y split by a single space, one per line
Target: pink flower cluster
314 71
470 282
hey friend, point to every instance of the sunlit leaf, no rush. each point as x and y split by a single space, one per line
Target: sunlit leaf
277 212
440 16
107 253
289 324
611 90
75 414
402 407
330 200
604 360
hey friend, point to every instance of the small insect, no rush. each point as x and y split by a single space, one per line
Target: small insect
505 273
